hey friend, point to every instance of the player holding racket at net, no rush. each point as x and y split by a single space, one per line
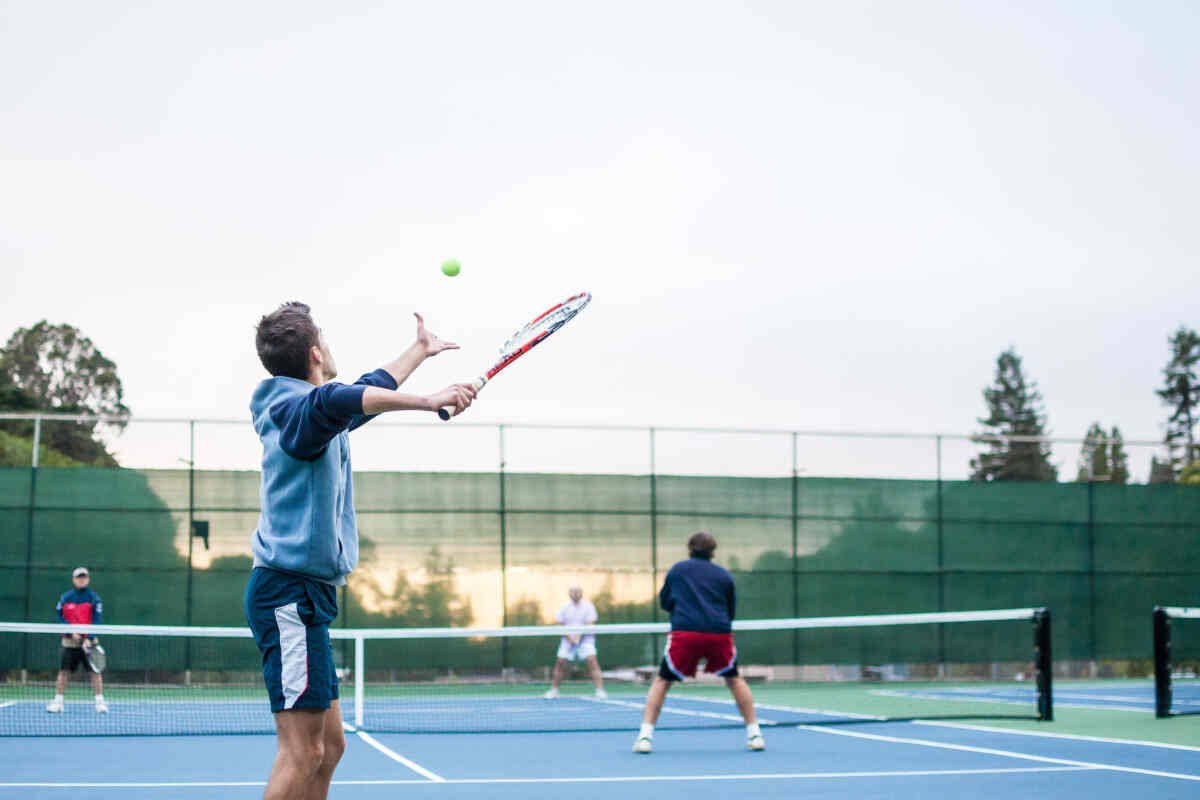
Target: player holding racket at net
701 600
306 542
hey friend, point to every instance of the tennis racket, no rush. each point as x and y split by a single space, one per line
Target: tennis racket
94 655
527 337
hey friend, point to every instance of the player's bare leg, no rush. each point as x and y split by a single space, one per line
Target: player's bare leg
60 687
745 703
654 703
335 745
98 690
559 667
300 742
597 678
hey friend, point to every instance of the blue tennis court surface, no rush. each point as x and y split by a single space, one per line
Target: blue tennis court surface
866 760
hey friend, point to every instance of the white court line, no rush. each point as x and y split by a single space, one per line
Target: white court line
7 704
764 776
794 710
392 754
1006 753
676 710
1017 731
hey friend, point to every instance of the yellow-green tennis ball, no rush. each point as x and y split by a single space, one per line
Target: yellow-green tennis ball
450 267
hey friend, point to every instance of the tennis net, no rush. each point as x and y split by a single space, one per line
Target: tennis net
818 670
1176 661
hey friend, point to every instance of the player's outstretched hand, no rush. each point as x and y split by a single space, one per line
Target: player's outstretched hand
432 343
458 395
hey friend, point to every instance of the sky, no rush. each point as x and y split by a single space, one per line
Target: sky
794 216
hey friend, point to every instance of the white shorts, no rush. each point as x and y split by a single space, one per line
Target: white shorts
579 652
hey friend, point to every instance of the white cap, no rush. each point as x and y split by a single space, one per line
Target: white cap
79 571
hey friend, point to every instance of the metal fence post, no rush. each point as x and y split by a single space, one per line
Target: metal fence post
795 546
33 470
503 556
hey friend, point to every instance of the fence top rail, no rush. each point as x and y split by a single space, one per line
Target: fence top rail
583 426
790 623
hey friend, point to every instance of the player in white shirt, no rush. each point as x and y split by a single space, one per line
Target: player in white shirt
576 646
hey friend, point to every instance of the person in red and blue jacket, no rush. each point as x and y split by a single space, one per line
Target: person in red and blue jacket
79 606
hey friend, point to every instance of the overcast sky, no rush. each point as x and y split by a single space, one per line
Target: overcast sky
791 215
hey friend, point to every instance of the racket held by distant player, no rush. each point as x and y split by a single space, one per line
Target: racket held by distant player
94 654
527 337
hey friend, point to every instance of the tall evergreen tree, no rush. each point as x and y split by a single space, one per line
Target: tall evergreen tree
1181 391
1103 456
1014 409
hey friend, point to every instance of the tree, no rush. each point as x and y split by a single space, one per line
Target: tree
1161 471
1014 409
55 367
1181 391
1103 456
1190 475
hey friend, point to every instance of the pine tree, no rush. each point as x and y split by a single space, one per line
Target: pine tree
1103 456
1014 409
1181 391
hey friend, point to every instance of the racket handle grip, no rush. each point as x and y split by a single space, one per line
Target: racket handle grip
445 412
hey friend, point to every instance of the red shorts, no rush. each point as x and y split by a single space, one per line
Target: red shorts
686 648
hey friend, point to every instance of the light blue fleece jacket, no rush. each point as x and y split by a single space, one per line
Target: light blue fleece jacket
306 525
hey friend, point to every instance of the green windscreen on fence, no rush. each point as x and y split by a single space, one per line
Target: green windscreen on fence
460 549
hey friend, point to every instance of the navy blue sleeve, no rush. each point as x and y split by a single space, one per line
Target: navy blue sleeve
97 607
307 424
58 608
730 596
381 378
665 600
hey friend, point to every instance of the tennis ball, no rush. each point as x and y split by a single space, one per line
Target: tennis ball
450 267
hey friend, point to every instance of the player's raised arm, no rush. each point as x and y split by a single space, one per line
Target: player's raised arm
427 345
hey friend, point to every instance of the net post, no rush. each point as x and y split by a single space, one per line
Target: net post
1043 664
1162 663
360 678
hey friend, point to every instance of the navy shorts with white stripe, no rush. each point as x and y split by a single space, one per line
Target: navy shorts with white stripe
289 616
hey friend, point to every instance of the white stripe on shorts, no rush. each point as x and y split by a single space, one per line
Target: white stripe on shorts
293 653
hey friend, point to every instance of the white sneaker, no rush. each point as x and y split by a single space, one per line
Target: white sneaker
601 694
56 706
642 745
101 706
550 695
756 742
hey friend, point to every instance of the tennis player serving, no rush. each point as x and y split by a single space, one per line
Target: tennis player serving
701 600
306 542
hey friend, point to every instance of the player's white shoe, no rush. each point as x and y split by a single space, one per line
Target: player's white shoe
756 742
56 706
101 706
601 694
642 745
551 694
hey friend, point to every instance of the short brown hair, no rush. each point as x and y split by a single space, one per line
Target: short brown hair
701 545
283 339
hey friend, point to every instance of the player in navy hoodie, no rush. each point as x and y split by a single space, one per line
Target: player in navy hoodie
701 600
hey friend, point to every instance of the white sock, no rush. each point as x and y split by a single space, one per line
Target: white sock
58 698
752 730
99 698
647 731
